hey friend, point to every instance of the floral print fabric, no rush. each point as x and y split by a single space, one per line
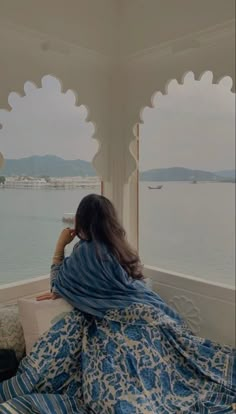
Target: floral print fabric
133 361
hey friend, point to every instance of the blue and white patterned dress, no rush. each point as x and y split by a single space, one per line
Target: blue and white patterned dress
122 350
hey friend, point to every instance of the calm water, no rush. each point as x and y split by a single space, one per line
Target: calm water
183 227
190 228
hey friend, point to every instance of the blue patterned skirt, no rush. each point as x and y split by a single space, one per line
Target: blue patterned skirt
133 361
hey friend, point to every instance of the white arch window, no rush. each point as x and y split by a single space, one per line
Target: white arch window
186 228
47 145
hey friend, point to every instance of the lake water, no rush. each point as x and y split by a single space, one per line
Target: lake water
183 227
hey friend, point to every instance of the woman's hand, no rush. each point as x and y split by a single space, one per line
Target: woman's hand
47 296
66 236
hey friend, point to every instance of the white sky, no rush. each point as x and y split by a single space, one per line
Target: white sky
46 121
192 126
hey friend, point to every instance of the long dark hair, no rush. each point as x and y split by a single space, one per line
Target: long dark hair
96 219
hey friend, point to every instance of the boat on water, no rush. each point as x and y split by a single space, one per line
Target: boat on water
68 218
159 187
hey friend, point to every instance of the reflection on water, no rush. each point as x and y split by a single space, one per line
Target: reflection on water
184 228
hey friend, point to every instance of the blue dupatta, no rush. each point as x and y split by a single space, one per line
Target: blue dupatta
92 280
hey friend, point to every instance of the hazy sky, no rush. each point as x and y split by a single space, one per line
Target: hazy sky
192 126
46 121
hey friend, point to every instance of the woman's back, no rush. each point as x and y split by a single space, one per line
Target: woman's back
93 281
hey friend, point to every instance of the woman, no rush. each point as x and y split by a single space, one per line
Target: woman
122 350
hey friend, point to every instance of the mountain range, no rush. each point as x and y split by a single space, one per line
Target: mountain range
47 165
53 166
186 174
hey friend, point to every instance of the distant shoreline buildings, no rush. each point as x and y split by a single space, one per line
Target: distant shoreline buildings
28 182
51 182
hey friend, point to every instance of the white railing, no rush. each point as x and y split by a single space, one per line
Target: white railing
208 308
11 292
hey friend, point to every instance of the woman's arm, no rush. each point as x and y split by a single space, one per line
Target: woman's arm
59 253
66 237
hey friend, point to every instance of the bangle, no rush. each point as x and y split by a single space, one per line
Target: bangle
58 256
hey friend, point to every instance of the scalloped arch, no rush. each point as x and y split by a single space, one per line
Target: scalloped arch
14 98
206 75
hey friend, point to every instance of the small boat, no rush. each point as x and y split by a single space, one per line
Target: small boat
68 218
159 187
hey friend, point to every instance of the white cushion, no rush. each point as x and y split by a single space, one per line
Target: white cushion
37 317
11 332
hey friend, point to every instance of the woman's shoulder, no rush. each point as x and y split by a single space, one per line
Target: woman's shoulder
78 247
93 248
84 245
80 251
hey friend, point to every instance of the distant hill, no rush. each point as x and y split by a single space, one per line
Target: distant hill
227 174
48 165
53 166
180 174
